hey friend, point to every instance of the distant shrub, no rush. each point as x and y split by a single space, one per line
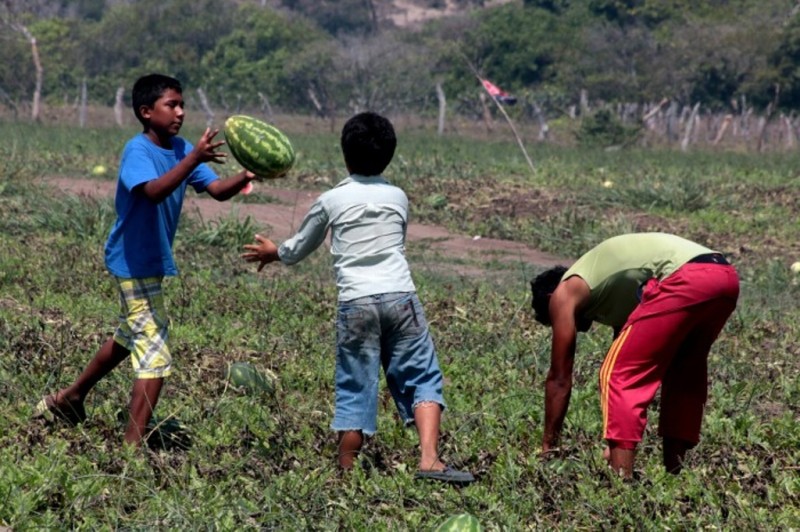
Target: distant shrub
603 129
86 218
16 172
229 232
679 193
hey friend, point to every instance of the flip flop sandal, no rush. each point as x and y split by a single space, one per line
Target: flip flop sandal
448 474
45 409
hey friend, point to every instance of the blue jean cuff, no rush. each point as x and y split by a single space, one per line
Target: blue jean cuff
365 432
434 401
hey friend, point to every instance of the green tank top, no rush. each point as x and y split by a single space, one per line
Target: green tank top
615 269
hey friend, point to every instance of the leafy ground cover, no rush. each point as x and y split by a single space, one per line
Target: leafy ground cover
267 460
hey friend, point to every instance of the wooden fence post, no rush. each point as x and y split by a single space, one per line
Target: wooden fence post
206 107
544 128
442 108
762 128
672 124
687 132
37 63
119 106
584 102
790 136
82 110
265 105
487 115
723 128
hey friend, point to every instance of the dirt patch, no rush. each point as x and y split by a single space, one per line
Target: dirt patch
534 204
464 254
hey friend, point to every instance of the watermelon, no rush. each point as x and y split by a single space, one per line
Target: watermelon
259 147
460 523
245 376
167 434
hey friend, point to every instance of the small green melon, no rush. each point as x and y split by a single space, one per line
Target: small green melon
245 376
460 523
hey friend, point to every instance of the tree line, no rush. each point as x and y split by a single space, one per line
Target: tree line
334 57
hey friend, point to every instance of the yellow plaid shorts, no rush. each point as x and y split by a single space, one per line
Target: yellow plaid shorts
144 326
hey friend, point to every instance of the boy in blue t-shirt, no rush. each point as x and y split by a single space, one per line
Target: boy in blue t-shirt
156 168
380 321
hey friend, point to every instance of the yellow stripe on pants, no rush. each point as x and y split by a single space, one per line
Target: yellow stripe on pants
605 373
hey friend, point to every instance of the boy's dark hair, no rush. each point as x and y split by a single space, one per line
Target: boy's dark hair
150 88
542 287
368 143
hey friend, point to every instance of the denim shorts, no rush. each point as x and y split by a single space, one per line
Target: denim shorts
389 331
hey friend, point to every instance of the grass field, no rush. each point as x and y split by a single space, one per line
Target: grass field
266 461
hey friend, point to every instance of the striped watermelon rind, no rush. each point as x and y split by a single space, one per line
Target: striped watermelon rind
460 523
259 147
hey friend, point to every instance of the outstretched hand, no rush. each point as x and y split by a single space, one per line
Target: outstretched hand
206 147
264 252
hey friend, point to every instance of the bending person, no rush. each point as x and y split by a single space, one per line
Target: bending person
667 299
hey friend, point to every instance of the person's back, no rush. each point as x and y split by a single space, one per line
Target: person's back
618 266
380 321
367 217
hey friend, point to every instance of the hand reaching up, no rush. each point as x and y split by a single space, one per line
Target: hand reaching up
206 147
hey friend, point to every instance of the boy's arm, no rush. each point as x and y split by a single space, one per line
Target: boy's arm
224 189
157 190
310 235
565 303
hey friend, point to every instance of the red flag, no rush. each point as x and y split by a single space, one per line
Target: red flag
497 93
493 90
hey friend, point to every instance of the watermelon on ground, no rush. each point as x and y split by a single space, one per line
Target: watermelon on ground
259 147
245 376
460 523
167 434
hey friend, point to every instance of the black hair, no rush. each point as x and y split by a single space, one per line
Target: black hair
148 89
542 287
368 143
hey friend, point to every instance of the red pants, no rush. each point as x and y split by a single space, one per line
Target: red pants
665 342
